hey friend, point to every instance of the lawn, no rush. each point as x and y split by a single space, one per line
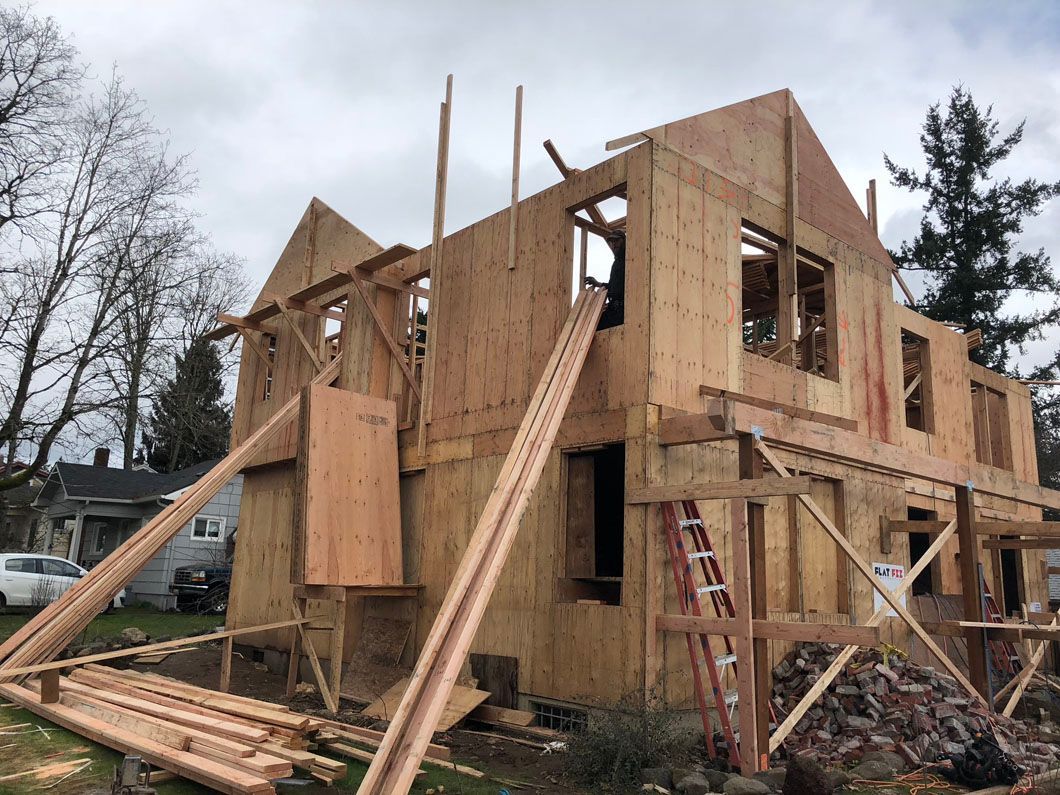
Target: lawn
154 622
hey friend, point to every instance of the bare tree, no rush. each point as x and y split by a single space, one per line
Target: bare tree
61 311
38 79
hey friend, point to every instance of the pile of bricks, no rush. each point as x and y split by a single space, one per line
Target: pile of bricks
912 710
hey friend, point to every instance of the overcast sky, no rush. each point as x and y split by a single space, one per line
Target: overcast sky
278 102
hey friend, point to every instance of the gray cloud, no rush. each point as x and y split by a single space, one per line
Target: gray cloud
282 101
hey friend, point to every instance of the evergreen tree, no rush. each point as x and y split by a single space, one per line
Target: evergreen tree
965 247
189 420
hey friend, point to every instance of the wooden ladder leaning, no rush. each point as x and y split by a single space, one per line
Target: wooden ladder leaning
689 543
1005 657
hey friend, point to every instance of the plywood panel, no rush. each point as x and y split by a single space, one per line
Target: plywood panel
348 530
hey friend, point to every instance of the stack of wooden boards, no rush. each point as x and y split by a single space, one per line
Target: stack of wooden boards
436 672
230 743
49 632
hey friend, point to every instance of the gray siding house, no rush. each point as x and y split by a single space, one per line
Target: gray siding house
92 509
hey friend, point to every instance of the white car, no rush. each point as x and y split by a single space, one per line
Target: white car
35 580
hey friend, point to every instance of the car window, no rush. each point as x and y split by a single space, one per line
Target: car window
58 568
25 565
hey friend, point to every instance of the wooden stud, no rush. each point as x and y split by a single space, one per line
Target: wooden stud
338 639
793 631
307 346
516 146
772 487
971 591
437 239
787 272
750 469
743 638
251 343
381 330
870 202
330 700
226 665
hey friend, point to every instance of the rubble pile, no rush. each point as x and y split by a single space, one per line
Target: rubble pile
909 709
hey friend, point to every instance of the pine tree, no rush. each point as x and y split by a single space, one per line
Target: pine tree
189 420
965 247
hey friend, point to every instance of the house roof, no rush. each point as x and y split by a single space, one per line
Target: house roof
87 482
21 496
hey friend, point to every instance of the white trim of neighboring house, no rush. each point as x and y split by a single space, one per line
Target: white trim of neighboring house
206 540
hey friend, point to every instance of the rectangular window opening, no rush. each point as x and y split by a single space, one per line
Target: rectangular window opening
928 581
557 718
207 528
916 382
990 424
598 229
593 526
812 342
268 344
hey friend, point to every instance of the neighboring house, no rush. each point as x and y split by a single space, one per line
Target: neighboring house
92 509
19 519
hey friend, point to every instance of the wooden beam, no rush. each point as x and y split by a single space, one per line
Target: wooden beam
241 322
750 470
624 141
870 207
1021 543
1011 633
330 700
837 444
839 663
557 158
1019 528
793 631
226 665
513 220
437 240
1019 682
694 428
391 283
307 307
381 330
866 570
903 287
311 351
56 665
929 526
787 271
971 590
377 262
782 408
743 640
724 490
258 351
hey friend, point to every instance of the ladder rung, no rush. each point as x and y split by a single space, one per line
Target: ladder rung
724 659
691 523
698 555
711 588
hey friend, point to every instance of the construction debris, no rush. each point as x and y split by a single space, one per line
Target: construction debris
900 707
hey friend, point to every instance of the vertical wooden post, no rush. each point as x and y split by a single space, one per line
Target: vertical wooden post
743 639
438 234
49 686
751 467
338 638
970 590
295 657
787 272
516 147
870 200
226 665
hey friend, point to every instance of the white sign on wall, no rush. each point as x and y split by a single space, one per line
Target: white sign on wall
891 575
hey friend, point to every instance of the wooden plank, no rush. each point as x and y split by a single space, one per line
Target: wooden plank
384 334
724 490
437 241
166 644
1020 543
866 570
971 589
513 216
488 713
383 259
306 307
929 526
1012 633
743 639
49 686
783 408
307 346
624 141
462 700
1018 528
331 701
389 282
226 665
794 631
694 428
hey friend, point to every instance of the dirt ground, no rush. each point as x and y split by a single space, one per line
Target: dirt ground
502 759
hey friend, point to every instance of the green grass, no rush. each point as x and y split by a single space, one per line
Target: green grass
107 626
454 783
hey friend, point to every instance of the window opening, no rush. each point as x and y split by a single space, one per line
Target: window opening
927 582
813 343
269 344
593 526
991 427
599 250
916 382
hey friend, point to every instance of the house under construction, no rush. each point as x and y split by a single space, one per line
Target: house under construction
763 435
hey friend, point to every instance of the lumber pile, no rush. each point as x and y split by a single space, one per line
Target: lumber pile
398 758
45 635
909 709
